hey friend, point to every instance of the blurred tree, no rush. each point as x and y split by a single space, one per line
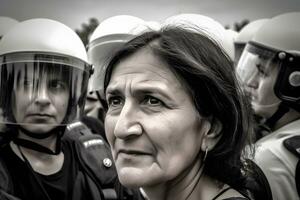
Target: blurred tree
238 25
227 26
87 29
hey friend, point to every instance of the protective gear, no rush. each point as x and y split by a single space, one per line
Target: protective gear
153 25
245 36
43 80
231 35
107 39
209 26
274 49
278 163
42 62
6 23
293 145
91 153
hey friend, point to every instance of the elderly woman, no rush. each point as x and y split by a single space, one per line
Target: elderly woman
176 120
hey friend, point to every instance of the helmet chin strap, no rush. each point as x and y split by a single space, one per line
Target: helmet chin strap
270 122
269 106
280 112
59 131
38 136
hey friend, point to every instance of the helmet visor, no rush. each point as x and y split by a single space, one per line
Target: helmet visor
258 63
238 50
40 92
100 52
255 63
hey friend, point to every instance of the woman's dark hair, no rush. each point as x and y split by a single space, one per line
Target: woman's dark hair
210 78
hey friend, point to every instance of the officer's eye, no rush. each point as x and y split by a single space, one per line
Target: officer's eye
57 84
261 70
27 82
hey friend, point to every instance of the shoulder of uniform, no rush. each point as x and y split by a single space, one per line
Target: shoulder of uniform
76 126
293 145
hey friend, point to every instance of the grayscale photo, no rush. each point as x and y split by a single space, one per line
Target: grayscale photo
150 100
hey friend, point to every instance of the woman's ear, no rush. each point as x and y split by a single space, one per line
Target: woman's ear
213 135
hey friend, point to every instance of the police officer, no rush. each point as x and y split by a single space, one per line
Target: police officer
44 78
271 70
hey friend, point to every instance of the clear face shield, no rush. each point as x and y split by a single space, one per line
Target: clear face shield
256 62
238 50
40 92
257 70
270 76
100 52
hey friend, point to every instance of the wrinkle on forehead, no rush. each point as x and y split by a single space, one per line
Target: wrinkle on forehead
141 68
150 67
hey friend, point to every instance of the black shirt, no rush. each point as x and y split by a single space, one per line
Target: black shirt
32 185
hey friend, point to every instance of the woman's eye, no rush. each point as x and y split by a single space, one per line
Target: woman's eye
152 101
114 101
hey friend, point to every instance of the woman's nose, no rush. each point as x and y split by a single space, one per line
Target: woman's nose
128 124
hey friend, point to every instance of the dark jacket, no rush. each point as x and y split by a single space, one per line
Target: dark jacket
94 157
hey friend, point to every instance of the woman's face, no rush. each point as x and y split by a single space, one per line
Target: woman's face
40 102
152 126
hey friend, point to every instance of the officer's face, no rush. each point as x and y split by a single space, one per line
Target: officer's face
261 86
93 106
40 99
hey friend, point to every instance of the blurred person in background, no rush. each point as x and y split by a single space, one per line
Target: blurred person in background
105 40
6 23
213 28
270 65
243 37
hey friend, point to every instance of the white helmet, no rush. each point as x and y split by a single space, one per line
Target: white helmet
106 39
43 35
153 25
232 34
207 25
245 35
42 55
276 45
6 23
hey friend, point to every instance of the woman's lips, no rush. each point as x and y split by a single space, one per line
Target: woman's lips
132 152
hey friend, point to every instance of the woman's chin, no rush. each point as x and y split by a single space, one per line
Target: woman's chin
133 177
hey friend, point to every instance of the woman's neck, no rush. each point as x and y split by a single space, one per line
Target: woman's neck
179 188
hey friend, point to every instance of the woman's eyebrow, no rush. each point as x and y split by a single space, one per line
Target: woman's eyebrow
142 89
152 90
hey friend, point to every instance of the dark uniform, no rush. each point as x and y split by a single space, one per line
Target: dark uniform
88 166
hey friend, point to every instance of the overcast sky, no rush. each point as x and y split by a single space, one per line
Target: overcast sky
75 12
